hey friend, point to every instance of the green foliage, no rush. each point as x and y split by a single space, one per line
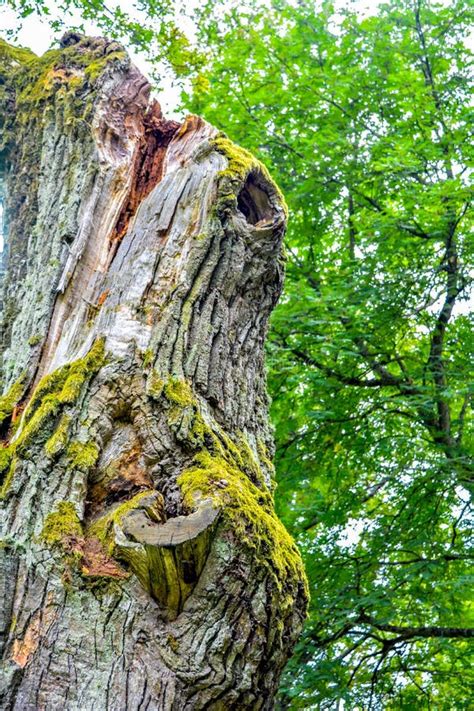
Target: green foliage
365 124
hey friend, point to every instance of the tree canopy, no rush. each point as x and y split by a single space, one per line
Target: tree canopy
365 123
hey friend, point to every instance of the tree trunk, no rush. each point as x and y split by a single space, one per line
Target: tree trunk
142 566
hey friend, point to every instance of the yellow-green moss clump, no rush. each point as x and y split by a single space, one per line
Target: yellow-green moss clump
82 455
58 440
179 392
229 472
53 393
249 510
64 385
240 163
10 399
66 69
61 523
155 385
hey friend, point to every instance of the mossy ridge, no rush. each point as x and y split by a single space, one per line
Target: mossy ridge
58 440
248 509
55 391
64 385
229 472
240 163
11 55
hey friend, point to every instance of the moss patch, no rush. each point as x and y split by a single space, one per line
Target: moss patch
58 440
82 455
53 393
11 399
155 385
60 524
248 509
179 392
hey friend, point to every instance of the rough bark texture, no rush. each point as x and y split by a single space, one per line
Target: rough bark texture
142 564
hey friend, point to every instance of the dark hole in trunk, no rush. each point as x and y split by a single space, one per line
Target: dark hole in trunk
254 203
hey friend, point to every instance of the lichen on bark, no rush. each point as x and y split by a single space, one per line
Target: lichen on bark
142 262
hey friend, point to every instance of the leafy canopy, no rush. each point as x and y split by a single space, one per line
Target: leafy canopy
365 123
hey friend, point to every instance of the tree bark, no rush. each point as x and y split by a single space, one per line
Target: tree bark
142 564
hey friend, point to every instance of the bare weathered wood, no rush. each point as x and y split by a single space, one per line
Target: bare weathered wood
142 564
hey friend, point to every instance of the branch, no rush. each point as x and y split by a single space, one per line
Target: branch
423 632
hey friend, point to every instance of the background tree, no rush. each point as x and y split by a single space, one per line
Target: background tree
366 122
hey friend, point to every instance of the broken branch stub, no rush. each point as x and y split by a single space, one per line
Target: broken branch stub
173 553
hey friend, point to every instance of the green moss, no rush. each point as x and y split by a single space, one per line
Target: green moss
61 523
198 431
82 455
10 399
103 528
48 387
10 466
95 68
155 385
5 458
34 340
64 385
248 509
240 161
230 473
148 356
58 440
10 55
53 392
173 643
72 66
59 78
179 392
